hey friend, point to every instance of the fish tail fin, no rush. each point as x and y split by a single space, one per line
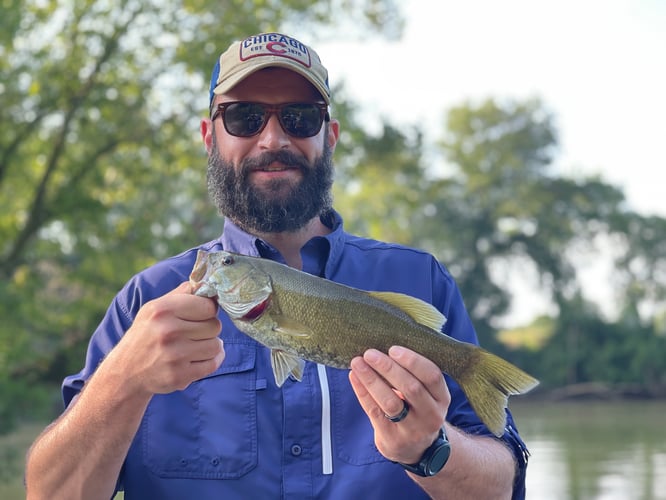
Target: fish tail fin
488 385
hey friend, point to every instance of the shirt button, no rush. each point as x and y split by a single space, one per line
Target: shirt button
296 450
215 461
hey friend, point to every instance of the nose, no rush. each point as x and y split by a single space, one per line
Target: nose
273 135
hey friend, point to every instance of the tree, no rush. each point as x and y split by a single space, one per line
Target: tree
500 205
101 168
505 206
382 188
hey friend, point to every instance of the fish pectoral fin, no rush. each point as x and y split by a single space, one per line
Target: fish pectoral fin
291 328
420 311
285 364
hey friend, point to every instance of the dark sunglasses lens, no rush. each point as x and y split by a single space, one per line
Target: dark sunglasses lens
244 118
301 119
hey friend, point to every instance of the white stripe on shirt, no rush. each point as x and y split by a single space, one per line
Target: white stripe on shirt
326 441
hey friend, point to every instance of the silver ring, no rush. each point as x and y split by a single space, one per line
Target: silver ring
400 416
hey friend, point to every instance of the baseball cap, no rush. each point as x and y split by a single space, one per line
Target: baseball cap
266 50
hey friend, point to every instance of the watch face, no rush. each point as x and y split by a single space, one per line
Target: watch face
434 458
439 458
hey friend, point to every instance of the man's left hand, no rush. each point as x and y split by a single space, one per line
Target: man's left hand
384 384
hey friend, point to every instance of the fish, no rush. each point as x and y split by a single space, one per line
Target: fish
300 317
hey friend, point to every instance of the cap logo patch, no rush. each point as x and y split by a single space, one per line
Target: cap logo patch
276 45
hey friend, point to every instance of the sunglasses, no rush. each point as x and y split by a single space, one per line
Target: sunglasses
246 119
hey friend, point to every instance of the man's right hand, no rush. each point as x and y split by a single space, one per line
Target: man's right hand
173 342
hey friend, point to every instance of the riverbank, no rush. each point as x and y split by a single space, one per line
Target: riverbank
597 391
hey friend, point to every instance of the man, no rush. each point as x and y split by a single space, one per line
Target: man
177 403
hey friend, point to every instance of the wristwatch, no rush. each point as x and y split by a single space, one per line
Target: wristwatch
433 459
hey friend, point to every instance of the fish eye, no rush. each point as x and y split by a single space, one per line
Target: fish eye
228 260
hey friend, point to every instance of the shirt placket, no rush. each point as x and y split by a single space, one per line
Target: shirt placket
301 427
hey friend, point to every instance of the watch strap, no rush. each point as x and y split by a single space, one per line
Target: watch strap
433 459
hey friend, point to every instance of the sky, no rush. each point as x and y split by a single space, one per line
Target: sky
598 65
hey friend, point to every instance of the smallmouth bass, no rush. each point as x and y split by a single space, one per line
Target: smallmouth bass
303 317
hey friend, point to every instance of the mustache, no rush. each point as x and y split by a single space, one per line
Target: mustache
288 158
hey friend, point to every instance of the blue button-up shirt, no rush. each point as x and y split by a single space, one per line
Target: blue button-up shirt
234 434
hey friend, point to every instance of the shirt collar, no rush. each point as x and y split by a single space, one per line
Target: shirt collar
234 239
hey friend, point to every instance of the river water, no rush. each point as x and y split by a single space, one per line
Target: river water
594 450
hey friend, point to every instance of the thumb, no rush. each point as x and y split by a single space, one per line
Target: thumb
184 288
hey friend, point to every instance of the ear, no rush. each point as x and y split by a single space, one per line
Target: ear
333 133
207 132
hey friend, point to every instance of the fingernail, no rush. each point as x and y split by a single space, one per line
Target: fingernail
396 351
371 355
358 364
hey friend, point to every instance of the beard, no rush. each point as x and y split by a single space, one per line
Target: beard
279 206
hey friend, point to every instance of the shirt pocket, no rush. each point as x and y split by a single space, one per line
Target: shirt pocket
209 430
353 436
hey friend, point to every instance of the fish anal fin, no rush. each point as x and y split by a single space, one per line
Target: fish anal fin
420 311
285 364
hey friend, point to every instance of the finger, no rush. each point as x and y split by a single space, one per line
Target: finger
379 398
365 399
207 366
191 307
423 369
203 330
401 382
205 308
391 394
204 350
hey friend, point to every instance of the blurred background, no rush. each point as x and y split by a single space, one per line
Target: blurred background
520 142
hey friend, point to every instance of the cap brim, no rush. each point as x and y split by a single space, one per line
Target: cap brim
231 81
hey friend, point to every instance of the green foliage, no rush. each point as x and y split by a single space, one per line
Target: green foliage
383 187
499 206
22 401
102 171
102 174
585 348
13 447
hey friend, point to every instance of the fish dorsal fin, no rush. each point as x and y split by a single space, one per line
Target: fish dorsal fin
285 364
420 311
